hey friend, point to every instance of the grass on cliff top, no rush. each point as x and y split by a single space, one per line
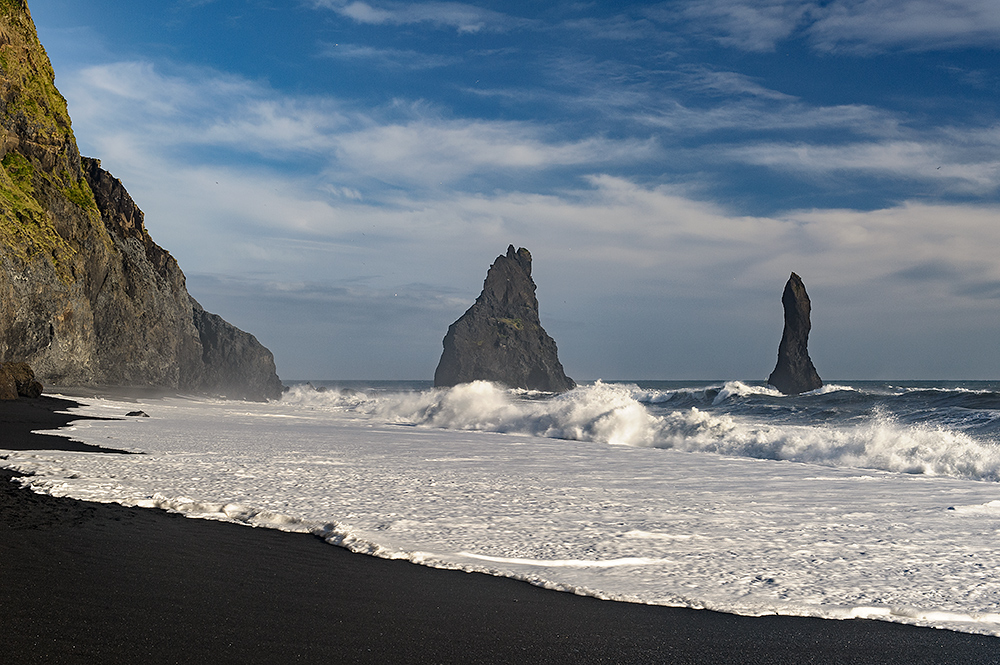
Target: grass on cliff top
35 111
23 62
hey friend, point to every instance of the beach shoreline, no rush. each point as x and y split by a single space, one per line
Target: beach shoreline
96 582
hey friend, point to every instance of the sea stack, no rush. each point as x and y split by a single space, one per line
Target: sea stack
86 296
794 373
500 338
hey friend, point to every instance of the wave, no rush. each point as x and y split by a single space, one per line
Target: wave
307 396
879 442
610 413
684 420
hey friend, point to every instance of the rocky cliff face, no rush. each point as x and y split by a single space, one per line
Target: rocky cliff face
86 296
233 363
794 372
500 338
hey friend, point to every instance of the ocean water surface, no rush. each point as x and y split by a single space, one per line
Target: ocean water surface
861 499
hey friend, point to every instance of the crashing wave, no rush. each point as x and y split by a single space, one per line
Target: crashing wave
618 414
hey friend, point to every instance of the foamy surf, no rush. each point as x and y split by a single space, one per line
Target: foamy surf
627 415
697 506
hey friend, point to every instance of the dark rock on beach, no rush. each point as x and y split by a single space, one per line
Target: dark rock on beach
18 380
86 296
795 373
500 338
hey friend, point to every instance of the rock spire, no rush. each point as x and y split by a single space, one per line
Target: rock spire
500 338
794 372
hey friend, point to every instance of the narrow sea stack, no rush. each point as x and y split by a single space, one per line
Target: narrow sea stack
86 296
795 373
500 338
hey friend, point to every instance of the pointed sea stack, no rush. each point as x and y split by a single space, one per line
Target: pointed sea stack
500 338
794 373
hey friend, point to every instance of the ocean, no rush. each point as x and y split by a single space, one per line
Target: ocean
862 499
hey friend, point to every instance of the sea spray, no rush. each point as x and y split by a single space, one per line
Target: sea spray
603 413
624 414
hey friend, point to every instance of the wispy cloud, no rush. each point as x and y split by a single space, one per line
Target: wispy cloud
431 152
402 144
619 28
464 18
387 57
191 106
859 26
869 25
749 26
725 83
949 166
156 114
728 115
318 244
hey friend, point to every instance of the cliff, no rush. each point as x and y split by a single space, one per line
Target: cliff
795 373
500 338
86 296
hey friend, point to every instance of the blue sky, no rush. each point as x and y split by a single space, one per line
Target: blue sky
336 177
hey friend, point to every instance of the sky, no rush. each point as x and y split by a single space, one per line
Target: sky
336 176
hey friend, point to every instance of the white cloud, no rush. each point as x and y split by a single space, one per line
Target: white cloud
702 79
750 116
609 249
946 166
867 25
749 26
432 152
620 27
142 122
388 57
199 107
463 17
404 144
842 25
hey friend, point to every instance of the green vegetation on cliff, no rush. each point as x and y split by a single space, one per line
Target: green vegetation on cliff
28 89
41 163
25 229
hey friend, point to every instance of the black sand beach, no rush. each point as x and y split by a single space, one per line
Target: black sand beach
83 582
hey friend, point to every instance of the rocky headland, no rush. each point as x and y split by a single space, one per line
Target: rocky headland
500 338
795 373
86 296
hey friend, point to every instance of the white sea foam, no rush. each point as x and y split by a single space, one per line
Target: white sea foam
634 522
828 388
988 508
611 413
570 563
740 389
877 443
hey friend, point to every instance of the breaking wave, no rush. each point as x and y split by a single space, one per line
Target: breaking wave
690 419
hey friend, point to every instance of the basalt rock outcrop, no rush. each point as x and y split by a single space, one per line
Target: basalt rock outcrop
795 373
86 296
500 338
232 360
18 380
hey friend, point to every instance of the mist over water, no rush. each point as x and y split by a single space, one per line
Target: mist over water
938 428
